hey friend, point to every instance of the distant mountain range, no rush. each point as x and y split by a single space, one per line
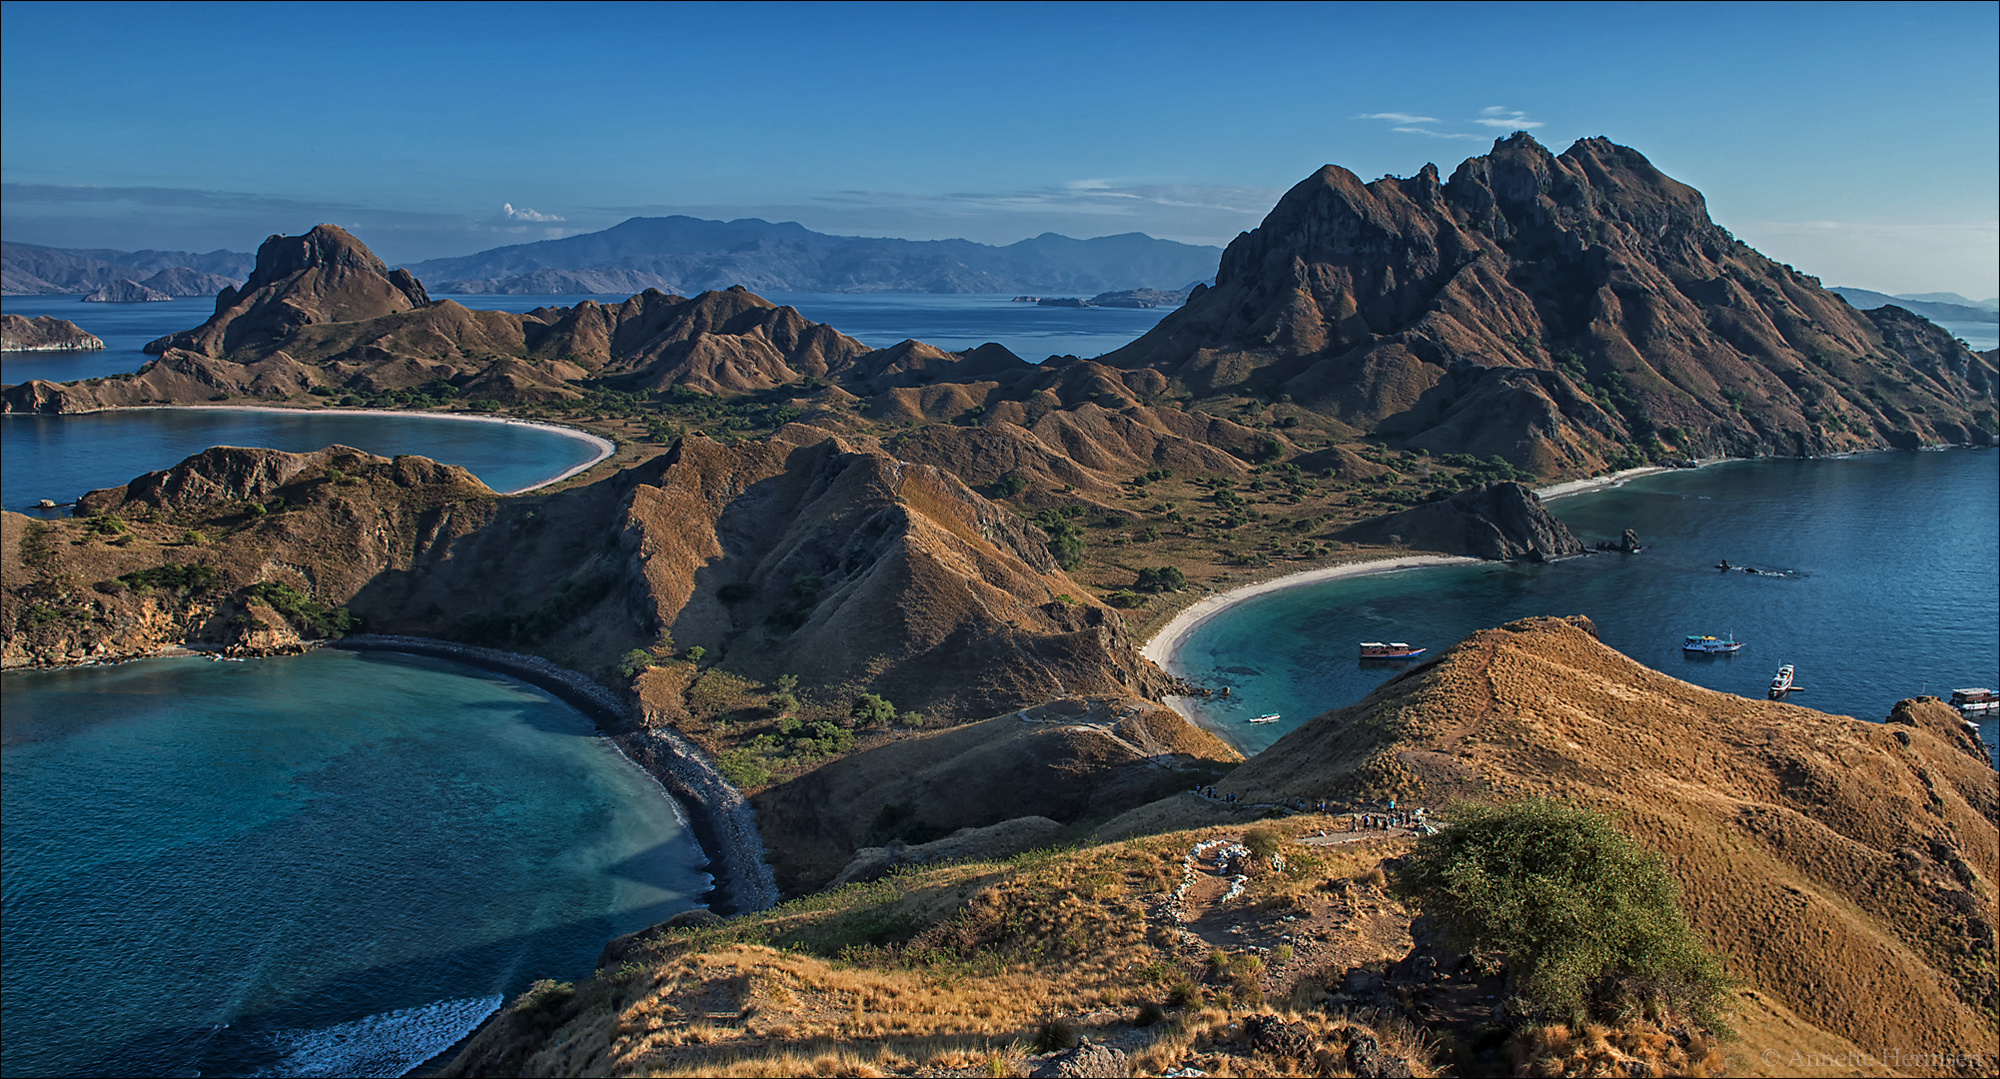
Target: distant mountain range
689 255
33 270
1936 306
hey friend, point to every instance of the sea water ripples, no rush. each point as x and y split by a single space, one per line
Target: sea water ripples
1882 570
334 862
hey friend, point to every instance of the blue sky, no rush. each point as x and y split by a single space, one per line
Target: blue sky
1856 141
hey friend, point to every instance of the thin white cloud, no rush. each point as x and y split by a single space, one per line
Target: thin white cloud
1506 119
1492 116
509 213
1399 117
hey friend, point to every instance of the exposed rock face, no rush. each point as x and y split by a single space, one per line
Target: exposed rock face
1834 862
125 290
44 334
1552 309
325 275
1505 521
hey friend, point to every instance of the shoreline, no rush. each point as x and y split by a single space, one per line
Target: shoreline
718 816
604 446
1161 647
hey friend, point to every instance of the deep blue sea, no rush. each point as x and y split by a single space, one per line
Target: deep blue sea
1879 579
328 864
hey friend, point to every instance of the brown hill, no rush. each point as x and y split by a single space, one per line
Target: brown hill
18 333
1835 863
802 554
1068 760
1555 310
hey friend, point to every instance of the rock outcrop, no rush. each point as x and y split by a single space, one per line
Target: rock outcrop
1504 521
125 290
44 334
1555 310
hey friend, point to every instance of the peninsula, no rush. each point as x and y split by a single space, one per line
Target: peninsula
897 597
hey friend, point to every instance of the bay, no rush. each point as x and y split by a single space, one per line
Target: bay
335 863
61 457
1880 577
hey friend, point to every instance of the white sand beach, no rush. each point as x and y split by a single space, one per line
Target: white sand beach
1161 647
603 445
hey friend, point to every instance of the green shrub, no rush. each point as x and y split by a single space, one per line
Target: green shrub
635 661
744 768
176 577
1569 901
871 709
301 610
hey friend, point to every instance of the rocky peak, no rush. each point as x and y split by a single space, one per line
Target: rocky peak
336 254
325 275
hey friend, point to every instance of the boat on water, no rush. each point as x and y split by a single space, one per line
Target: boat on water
1781 683
1268 717
1389 650
1711 645
1976 701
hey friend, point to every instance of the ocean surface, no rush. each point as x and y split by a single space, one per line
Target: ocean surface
61 457
1879 577
329 864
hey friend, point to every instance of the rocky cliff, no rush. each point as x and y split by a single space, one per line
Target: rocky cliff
44 334
1502 521
1557 311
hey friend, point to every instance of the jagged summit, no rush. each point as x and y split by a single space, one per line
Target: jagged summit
325 275
1556 310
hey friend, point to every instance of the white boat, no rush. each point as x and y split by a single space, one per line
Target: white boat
1781 683
1977 701
1268 717
1710 645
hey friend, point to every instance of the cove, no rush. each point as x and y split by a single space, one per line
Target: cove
1883 568
334 863
61 457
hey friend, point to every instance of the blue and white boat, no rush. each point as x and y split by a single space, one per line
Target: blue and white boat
1711 645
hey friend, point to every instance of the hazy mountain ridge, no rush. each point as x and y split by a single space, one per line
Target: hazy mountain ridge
686 254
1934 309
34 270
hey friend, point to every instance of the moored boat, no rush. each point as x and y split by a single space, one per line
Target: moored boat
1781 683
1269 717
1711 645
1389 650
1975 701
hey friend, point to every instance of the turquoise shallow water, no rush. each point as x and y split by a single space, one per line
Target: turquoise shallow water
334 863
1887 571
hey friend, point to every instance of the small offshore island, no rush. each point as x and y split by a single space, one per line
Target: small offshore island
879 618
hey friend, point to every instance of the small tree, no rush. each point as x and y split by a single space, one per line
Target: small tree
635 661
1566 898
694 654
872 710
